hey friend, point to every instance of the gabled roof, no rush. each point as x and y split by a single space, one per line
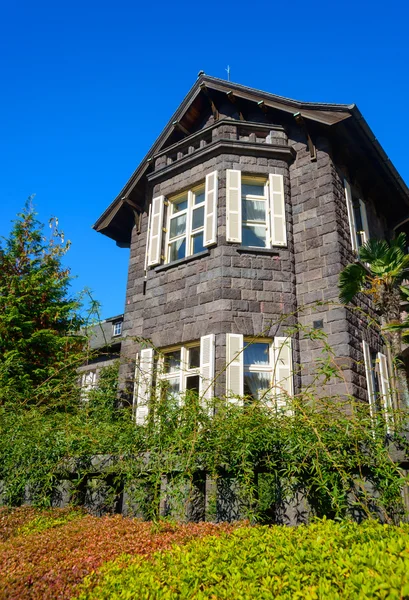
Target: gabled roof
110 222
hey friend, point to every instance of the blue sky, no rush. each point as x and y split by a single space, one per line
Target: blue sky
87 87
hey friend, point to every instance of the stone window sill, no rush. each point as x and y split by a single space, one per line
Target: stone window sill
182 261
248 250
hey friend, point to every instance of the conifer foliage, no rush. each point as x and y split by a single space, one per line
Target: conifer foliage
38 349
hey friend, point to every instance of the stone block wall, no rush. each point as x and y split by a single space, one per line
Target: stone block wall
224 290
228 290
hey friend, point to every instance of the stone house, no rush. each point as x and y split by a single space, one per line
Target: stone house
245 209
104 348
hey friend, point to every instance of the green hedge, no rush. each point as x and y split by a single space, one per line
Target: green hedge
325 560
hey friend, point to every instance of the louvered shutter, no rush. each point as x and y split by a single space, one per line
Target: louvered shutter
155 237
385 389
283 370
206 386
278 226
364 217
369 379
351 215
233 205
234 369
145 379
210 219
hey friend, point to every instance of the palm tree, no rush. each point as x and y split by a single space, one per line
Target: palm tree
380 272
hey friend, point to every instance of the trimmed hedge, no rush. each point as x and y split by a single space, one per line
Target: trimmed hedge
46 554
326 560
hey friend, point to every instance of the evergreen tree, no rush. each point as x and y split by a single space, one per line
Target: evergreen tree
39 350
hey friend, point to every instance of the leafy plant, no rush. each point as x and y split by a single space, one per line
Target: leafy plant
49 563
325 560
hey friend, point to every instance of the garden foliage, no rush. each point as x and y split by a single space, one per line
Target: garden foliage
47 554
325 560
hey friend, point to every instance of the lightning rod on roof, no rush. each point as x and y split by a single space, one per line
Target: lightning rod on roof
228 72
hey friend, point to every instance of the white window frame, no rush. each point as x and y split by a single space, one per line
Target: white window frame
359 237
268 368
189 233
248 180
88 383
275 222
272 398
115 332
184 372
382 375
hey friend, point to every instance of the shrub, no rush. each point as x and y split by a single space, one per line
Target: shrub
328 560
49 563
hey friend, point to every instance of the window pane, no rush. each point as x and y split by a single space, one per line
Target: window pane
198 243
198 218
199 197
177 249
171 362
252 189
254 210
179 205
192 383
256 384
254 235
177 226
171 387
194 357
256 354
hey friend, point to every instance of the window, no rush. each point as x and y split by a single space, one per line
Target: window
378 384
357 217
191 223
255 210
259 369
117 328
88 383
178 369
186 224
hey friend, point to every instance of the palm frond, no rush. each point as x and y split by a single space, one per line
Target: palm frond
351 281
373 251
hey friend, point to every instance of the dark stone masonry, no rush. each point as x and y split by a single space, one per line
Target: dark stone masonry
334 184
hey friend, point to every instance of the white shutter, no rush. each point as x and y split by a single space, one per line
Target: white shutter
155 236
145 379
385 388
365 232
234 360
233 205
369 379
351 215
206 386
210 219
278 226
148 235
283 370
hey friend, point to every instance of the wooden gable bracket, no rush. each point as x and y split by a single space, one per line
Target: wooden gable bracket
137 212
180 127
262 105
206 92
300 121
233 100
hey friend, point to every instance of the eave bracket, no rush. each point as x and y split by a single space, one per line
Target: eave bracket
300 121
